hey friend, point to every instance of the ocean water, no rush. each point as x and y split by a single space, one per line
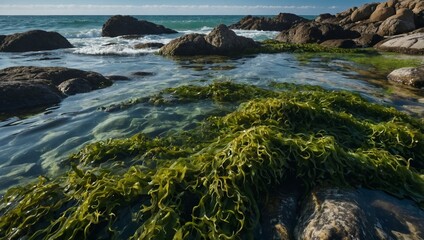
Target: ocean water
39 144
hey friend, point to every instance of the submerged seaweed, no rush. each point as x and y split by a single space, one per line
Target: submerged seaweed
210 181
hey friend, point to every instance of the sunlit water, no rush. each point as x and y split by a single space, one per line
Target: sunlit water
38 145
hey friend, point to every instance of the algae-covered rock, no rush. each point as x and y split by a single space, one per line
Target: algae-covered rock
211 181
408 76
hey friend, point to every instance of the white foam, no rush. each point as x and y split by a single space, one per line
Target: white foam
87 33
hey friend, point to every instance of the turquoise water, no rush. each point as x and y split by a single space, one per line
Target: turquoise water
39 144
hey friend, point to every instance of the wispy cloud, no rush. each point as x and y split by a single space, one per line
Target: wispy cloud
9 9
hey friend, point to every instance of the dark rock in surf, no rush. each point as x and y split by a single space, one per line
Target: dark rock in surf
126 25
148 45
28 88
221 41
36 40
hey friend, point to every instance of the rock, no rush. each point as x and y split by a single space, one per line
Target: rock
408 76
363 12
368 40
26 88
405 14
221 41
339 43
382 14
394 26
16 96
36 40
187 45
74 86
148 45
333 213
407 43
119 25
281 22
143 74
324 17
226 41
117 78
315 33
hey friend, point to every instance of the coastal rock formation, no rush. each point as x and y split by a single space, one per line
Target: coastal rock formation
36 40
339 43
26 88
368 40
126 25
313 32
334 213
408 76
282 21
407 43
221 41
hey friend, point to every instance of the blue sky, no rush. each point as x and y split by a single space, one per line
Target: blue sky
168 7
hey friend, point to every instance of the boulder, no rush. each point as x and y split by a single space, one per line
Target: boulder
16 96
281 22
405 14
221 41
363 12
148 45
382 14
406 43
313 32
74 86
36 40
364 27
368 40
324 17
334 213
394 26
410 76
27 88
126 25
339 43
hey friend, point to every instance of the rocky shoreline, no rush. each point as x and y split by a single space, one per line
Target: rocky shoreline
169 191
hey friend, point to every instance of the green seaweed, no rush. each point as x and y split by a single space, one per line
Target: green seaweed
209 182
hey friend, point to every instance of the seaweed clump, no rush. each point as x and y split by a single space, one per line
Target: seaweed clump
210 181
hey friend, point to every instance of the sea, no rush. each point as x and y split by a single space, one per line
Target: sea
39 144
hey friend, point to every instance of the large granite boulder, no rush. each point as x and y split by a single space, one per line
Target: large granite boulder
281 22
313 32
382 14
221 41
126 25
28 88
412 43
36 40
368 40
363 12
410 76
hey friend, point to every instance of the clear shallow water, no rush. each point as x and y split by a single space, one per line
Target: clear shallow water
38 145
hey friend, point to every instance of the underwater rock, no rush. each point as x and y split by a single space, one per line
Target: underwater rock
334 213
36 40
280 22
119 25
117 78
408 76
405 43
26 87
313 32
221 41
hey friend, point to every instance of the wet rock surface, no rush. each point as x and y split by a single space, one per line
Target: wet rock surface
221 41
119 25
26 88
410 76
36 40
